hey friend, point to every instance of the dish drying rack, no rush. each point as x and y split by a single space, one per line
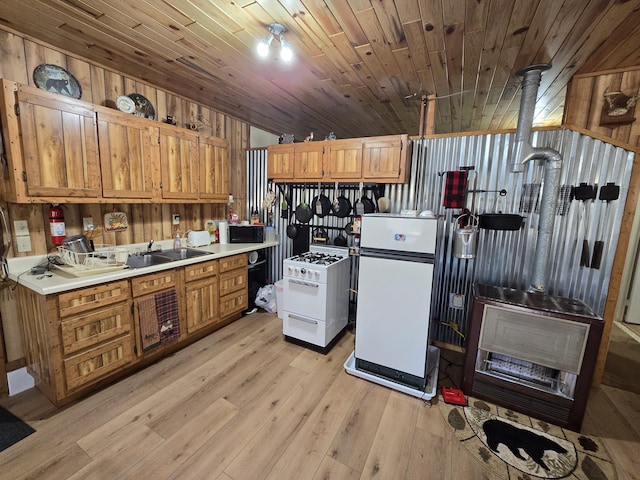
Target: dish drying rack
104 258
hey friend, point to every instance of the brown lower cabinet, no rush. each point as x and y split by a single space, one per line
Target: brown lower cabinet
82 340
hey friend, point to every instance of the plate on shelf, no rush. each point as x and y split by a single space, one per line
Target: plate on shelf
144 108
53 78
125 104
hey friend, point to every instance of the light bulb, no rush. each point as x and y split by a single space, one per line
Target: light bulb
285 52
263 48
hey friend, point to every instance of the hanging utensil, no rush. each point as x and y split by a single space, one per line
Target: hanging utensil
584 192
344 206
500 220
359 207
284 206
335 206
321 203
303 210
608 193
369 205
566 196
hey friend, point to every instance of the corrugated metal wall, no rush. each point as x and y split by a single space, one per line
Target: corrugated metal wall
503 257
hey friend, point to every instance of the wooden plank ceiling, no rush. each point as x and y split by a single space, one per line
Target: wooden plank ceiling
360 67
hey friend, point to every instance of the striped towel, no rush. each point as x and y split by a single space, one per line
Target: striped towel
455 189
167 312
148 323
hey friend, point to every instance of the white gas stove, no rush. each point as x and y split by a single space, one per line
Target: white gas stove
316 296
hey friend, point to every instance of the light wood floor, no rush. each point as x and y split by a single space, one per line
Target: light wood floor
243 404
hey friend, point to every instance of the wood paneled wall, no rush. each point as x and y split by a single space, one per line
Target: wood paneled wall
585 99
19 56
583 109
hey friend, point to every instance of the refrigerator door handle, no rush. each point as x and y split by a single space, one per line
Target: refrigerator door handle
395 255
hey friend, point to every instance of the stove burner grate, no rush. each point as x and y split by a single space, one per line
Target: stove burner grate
316 258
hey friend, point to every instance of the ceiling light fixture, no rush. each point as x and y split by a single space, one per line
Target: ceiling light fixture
276 30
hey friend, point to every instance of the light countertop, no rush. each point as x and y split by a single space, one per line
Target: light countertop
60 281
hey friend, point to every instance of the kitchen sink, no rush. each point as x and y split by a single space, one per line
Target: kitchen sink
182 253
158 257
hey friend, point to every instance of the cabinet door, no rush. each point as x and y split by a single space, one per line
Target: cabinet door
94 327
214 169
280 162
128 154
91 365
60 147
202 300
344 159
179 163
234 303
234 281
308 161
385 159
233 262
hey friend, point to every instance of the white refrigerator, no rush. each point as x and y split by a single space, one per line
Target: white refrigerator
395 279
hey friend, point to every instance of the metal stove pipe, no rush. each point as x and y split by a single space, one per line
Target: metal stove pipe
524 152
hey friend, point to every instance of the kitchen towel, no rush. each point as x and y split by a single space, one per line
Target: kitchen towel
148 317
455 188
167 312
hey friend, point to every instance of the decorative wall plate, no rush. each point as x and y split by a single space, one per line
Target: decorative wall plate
144 108
115 222
57 80
125 104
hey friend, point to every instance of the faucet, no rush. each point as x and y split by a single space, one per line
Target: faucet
149 246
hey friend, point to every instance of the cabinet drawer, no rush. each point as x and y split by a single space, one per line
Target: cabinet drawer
90 366
153 282
233 281
202 304
233 262
201 270
95 327
234 303
89 298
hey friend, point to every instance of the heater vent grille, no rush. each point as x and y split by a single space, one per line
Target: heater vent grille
552 342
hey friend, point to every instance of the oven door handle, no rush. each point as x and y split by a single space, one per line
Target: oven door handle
302 319
306 284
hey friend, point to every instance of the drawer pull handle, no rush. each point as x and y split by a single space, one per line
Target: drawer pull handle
306 320
306 284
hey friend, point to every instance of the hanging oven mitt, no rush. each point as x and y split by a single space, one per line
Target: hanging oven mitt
455 189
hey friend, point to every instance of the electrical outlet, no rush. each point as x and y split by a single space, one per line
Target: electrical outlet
23 243
456 300
21 227
176 219
87 223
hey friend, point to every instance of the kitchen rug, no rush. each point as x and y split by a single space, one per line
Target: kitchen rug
12 429
512 445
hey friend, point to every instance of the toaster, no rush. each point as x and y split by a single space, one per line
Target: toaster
198 238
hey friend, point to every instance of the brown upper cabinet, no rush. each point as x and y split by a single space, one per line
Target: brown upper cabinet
344 159
128 152
308 161
386 159
179 161
51 145
62 150
280 161
214 168
373 159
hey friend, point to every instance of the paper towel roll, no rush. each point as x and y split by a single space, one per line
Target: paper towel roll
223 231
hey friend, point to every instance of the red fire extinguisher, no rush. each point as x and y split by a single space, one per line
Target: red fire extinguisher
56 224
